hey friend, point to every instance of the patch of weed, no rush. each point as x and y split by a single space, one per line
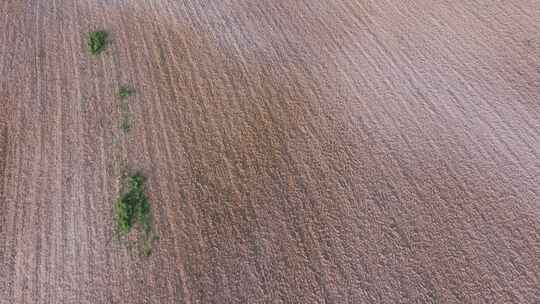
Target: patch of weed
132 206
133 210
125 124
97 41
125 92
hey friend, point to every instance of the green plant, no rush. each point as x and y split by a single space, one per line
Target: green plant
133 207
133 210
97 41
125 92
124 124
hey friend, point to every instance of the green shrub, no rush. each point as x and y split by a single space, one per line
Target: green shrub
132 207
125 92
97 41
124 123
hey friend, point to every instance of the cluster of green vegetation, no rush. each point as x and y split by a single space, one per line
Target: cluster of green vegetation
133 208
125 91
97 41
124 124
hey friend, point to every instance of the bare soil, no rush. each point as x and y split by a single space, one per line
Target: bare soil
296 151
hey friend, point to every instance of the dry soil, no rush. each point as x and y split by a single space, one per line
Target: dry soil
316 151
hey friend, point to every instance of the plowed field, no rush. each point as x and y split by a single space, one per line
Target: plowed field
315 151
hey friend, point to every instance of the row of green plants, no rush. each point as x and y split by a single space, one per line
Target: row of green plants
132 208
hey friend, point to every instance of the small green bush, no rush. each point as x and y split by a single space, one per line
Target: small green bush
124 124
97 41
133 210
132 207
125 92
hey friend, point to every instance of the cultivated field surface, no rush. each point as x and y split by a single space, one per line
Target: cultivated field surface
295 151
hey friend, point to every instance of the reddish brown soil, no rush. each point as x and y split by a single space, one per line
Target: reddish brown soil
296 151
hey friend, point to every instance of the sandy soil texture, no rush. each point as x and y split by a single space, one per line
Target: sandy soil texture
297 151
